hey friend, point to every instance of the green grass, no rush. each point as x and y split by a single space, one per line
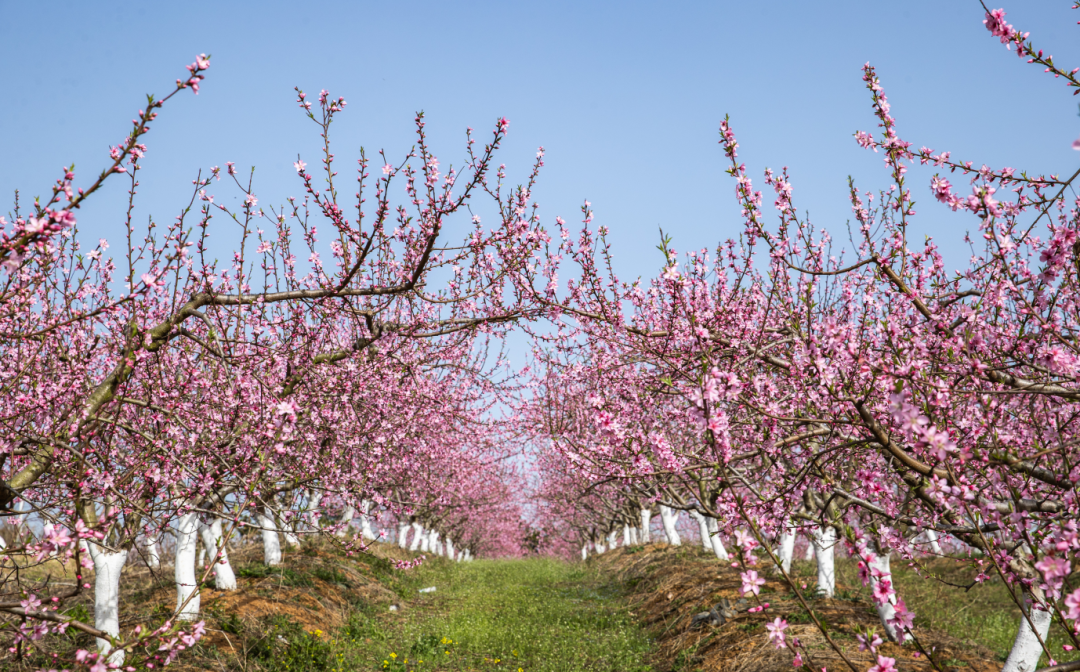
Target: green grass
536 615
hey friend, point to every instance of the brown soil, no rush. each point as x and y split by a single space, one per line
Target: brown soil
667 586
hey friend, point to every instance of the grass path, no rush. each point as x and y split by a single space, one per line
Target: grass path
530 615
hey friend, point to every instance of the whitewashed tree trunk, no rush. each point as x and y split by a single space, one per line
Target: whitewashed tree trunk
824 542
932 538
714 539
634 536
450 548
311 511
291 538
598 545
1026 650
468 555
403 535
669 517
646 520
703 530
626 535
584 551
787 548
418 536
187 583
611 540
200 557
212 538
808 554
270 541
366 530
886 611
346 520
433 543
107 568
153 553
425 541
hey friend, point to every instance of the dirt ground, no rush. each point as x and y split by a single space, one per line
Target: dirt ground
668 585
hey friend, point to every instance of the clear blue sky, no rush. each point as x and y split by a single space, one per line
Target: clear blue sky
625 97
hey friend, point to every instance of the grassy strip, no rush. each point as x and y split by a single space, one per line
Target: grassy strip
529 615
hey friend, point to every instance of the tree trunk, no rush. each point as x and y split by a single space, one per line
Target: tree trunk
365 521
271 543
703 530
1026 649
107 568
224 577
611 540
450 548
808 554
824 541
346 520
626 535
425 540
187 583
646 519
669 517
714 539
418 536
584 551
403 535
153 553
787 548
932 538
886 611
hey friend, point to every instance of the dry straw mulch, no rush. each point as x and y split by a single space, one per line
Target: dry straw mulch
668 585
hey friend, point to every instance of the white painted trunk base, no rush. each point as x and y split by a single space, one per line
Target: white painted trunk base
887 610
714 539
270 541
346 520
153 553
646 519
932 539
107 568
824 543
786 549
403 535
187 583
1026 650
212 538
703 530
669 517
418 534
366 531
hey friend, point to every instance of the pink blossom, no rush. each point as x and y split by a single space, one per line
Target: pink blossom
299 165
751 582
869 641
884 664
995 23
776 631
